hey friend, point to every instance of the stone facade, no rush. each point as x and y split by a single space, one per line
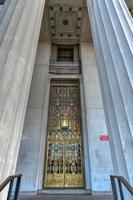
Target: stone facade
106 86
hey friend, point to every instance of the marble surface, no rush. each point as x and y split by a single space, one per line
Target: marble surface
29 154
112 35
100 156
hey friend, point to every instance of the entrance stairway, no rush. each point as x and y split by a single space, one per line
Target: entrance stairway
118 191
67 197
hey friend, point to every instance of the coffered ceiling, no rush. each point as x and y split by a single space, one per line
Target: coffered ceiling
65 21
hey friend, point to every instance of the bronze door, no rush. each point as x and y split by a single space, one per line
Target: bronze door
64 158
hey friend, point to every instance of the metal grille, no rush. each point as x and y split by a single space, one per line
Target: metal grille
64 159
65 54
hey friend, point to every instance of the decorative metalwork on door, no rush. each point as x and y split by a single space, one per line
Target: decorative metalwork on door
64 159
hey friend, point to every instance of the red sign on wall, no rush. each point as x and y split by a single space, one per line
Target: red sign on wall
104 137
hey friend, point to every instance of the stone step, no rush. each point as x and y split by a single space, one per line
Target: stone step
67 197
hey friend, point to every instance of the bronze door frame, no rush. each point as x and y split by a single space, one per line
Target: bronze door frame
58 174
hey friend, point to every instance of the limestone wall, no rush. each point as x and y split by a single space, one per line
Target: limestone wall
33 134
97 162
100 157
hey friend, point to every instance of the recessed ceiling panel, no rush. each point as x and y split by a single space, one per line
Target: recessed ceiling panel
66 22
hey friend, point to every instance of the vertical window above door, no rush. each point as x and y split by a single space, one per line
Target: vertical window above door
65 54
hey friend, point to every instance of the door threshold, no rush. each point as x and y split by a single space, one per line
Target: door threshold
64 191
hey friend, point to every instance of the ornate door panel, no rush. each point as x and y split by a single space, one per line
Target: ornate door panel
64 159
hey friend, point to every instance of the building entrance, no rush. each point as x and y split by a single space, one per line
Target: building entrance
64 157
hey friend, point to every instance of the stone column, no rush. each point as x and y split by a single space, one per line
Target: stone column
20 24
113 39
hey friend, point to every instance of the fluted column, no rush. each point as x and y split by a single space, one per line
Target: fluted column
112 28
20 22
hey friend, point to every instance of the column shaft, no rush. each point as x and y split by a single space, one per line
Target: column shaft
112 34
18 46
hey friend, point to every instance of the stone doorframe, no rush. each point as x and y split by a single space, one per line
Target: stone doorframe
41 167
